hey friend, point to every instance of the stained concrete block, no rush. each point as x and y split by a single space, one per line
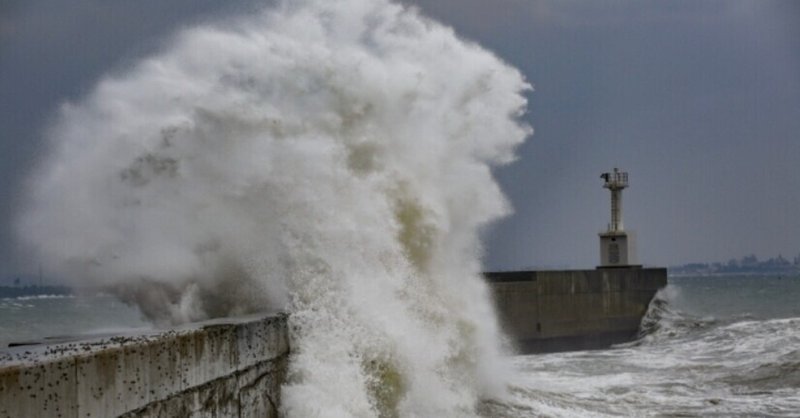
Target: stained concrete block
206 370
259 388
101 384
35 390
573 308
215 352
256 340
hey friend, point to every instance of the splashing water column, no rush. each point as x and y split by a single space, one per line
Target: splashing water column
332 159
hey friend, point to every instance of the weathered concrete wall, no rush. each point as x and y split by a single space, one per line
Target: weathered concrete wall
574 309
214 369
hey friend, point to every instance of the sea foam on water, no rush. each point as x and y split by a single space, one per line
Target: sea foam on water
330 158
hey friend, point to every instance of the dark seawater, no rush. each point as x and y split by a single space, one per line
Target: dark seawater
711 347
43 318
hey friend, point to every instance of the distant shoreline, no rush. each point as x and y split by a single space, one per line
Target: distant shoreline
748 265
34 290
700 274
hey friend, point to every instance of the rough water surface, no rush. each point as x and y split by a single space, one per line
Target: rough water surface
710 347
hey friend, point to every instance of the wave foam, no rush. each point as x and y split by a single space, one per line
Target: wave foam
329 157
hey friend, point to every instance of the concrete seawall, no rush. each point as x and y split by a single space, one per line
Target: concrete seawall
226 368
547 311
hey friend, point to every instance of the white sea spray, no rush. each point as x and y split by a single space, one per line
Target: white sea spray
331 158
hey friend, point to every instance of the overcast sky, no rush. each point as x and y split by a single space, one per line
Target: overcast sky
698 100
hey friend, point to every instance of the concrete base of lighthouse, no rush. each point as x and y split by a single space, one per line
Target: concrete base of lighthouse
614 249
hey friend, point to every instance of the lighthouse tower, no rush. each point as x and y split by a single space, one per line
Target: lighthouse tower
614 244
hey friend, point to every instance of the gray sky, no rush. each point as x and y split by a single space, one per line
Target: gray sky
699 100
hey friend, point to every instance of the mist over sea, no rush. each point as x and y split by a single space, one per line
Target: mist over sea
711 346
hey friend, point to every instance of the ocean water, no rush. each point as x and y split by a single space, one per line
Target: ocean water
710 346
46 318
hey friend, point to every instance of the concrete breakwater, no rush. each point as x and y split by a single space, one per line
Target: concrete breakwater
221 368
544 311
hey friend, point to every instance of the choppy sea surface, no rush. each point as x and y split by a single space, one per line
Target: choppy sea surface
44 318
710 346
